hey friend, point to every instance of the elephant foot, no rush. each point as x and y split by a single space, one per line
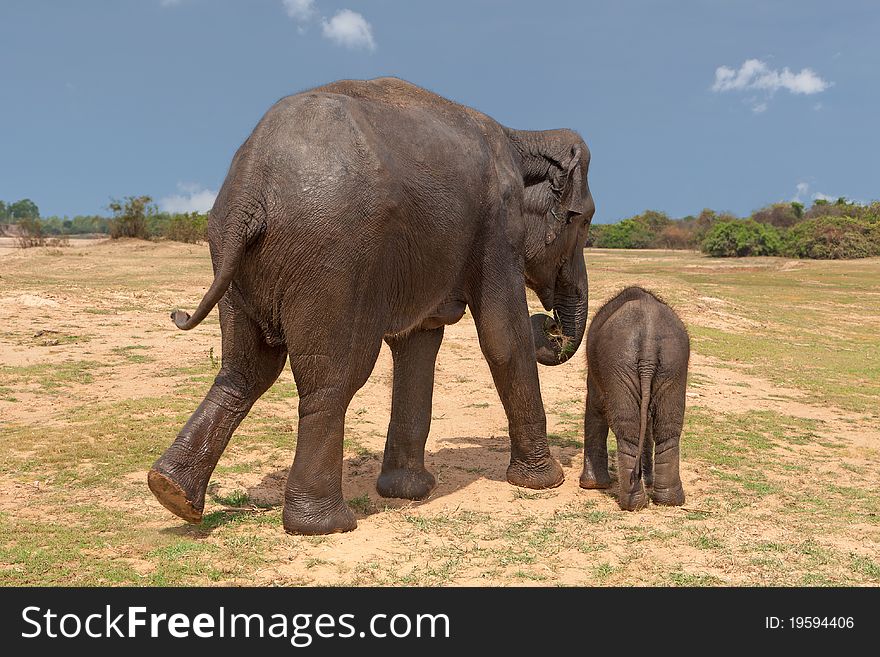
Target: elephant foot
633 500
173 497
546 473
317 517
668 496
406 483
590 480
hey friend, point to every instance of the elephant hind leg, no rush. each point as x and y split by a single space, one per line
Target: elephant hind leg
329 366
595 473
179 478
648 456
624 418
668 489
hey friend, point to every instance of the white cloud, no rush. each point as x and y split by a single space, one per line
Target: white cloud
347 28
299 10
350 29
803 194
192 198
755 75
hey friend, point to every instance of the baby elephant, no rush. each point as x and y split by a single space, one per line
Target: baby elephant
637 355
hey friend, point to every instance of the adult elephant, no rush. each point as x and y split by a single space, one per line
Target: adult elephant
364 210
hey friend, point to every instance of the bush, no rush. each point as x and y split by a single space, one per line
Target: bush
30 233
130 217
834 237
651 230
675 236
738 237
781 215
628 234
189 227
638 232
595 233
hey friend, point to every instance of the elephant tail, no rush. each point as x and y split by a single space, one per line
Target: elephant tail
646 377
236 235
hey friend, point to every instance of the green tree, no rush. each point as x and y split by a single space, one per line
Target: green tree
627 234
832 237
741 237
23 209
189 227
130 216
781 215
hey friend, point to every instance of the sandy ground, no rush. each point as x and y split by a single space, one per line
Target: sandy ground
467 448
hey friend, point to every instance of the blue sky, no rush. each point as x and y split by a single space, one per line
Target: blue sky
685 104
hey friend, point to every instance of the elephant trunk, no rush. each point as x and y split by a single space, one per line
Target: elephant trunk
557 338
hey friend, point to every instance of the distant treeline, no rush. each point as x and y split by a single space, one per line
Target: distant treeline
840 229
133 216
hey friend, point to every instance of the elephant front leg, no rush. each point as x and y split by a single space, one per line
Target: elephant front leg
506 341
403 466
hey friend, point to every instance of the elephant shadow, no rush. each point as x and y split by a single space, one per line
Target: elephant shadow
457 463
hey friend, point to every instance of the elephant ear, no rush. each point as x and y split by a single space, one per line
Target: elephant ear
567 195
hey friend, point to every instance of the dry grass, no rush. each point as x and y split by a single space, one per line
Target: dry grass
780 453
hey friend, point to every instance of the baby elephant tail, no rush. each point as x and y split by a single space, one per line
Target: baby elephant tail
646 377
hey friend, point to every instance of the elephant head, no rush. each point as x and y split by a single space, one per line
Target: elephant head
558 208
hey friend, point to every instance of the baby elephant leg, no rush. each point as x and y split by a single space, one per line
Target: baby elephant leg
631 494
668 423
595 472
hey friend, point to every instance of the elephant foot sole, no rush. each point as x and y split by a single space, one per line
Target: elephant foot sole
668 496
536 475
407 484
173 497
308 520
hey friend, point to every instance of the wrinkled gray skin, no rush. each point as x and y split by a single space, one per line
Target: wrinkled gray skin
637 360
371 210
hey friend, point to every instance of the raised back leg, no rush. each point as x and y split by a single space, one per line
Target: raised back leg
595 472
180 476
668 423
403 467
